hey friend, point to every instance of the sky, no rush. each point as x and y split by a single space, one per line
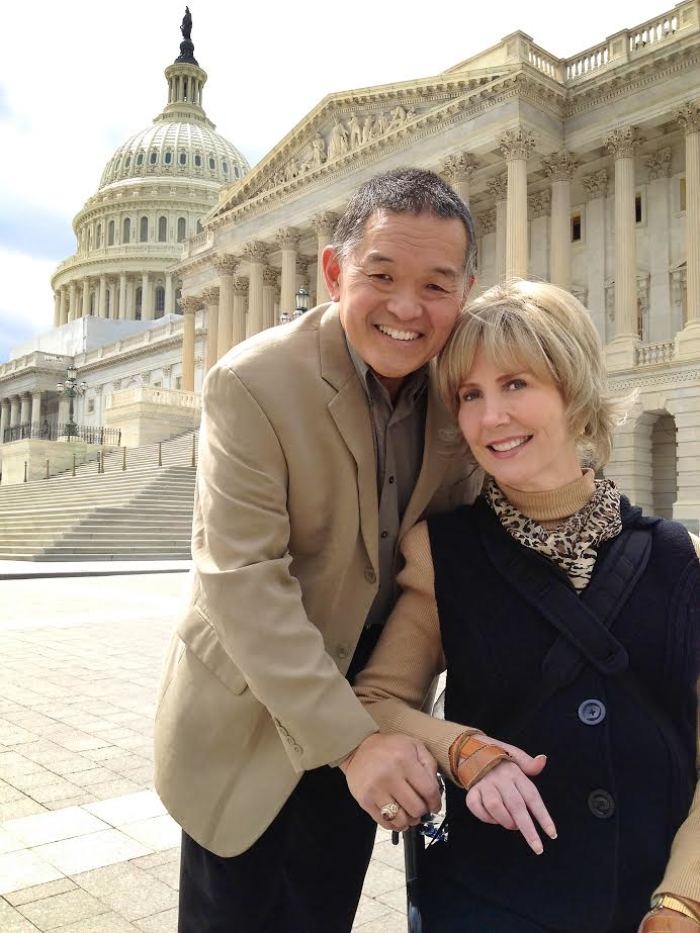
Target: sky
78 78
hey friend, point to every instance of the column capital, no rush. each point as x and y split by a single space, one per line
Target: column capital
240 286
255 251
303 263
271 276
211 295
459 167
689 117
324 222
596 184
498 187
659 163
516 143
560 166
623 142
225 264
190 303
288 237
539 203
486 221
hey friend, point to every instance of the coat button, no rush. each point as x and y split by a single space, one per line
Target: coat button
341 652
591 712
370 575
601 804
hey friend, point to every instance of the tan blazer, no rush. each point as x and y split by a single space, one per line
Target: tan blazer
285 549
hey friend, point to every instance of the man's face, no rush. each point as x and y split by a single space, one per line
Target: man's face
400 290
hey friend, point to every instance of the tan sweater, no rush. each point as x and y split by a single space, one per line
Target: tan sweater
397 680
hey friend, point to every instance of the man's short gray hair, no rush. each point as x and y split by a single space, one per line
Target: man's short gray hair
403 191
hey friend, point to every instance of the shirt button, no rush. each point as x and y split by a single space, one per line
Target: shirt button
370 575
591 712
385 534
392 479
341 651
601 804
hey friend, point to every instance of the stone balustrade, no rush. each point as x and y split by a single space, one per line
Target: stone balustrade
156 396
651 354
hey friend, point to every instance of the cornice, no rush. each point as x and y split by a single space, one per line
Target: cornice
166 343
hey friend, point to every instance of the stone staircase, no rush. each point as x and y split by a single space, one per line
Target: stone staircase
141 513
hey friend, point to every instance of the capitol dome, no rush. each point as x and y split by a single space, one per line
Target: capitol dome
179 149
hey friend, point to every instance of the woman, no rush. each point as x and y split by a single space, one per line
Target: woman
568 626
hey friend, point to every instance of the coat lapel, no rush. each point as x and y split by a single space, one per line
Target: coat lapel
349 410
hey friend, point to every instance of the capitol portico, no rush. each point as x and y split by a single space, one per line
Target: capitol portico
584 171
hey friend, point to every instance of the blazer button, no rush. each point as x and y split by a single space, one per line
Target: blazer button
341 652
370 575
591 712
601 804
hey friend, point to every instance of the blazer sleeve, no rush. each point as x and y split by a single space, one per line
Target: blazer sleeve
247 592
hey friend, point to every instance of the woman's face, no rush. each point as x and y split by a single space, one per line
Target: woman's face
516 427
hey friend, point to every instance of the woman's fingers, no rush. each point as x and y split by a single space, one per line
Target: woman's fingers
476 805
536 806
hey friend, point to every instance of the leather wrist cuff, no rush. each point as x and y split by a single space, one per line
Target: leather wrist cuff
474 759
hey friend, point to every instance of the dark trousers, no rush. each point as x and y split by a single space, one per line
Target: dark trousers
303 875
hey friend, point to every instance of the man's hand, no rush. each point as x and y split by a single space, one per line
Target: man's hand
506 795
667 921
386 769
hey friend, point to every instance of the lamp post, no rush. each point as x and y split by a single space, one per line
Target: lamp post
301 301
71 388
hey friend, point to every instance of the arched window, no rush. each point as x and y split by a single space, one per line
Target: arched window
160 301
224 166
178 296
139 158
98 236
110 233
212 163
183 157
181 229
168 157
162 229
143 230
198 160
139 296
108 292
126 230
127 161
153 158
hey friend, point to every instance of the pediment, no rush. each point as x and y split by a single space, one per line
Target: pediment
353 124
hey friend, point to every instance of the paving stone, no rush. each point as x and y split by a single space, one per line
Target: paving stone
381 878
369 909
9 843
129 808
93 776
165 922
22 868
72 856
12 763
105 923
389 922
129 891
11 921
38 891
22 806
111 789
58 789
9 792
395 899
51 827
63 909
158 832
77 801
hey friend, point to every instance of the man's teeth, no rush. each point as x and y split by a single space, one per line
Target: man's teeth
398 334
509 445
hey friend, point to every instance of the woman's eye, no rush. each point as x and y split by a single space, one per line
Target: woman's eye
468 395
516 384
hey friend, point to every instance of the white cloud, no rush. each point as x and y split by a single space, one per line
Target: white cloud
26 301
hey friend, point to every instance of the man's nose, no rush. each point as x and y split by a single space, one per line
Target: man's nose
404 304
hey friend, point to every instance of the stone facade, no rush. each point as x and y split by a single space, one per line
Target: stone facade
584 171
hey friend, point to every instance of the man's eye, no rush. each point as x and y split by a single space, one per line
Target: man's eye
436 288
380 276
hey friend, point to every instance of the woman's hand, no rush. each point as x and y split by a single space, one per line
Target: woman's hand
506 796
667 921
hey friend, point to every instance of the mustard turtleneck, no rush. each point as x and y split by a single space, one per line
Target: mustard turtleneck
552 506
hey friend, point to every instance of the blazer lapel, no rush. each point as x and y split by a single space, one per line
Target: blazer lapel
350 412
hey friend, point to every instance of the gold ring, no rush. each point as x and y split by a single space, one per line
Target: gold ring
390 811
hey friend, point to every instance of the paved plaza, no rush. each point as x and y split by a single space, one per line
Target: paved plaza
85 844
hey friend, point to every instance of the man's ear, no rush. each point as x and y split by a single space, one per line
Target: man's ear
331 271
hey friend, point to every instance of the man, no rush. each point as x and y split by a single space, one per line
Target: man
321 443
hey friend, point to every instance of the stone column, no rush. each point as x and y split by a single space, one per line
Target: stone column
288 239
324 225
688 340
63 316
630 465
539 206
168 298
499 189
102 299
596 185
85 310
146 297
211 303
56 312
121 311
658 165
240 309
225 266
516 146
560 168
4 418
35 416
457 170
255 253
130 298
270 283
25 414
686 411
621 352
190 304
486 224
72 301
14 411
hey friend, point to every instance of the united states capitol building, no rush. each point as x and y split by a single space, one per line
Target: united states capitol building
584 171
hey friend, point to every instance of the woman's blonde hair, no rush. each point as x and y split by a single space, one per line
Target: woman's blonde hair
542 328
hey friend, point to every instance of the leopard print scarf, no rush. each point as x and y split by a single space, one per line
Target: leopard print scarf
572 545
